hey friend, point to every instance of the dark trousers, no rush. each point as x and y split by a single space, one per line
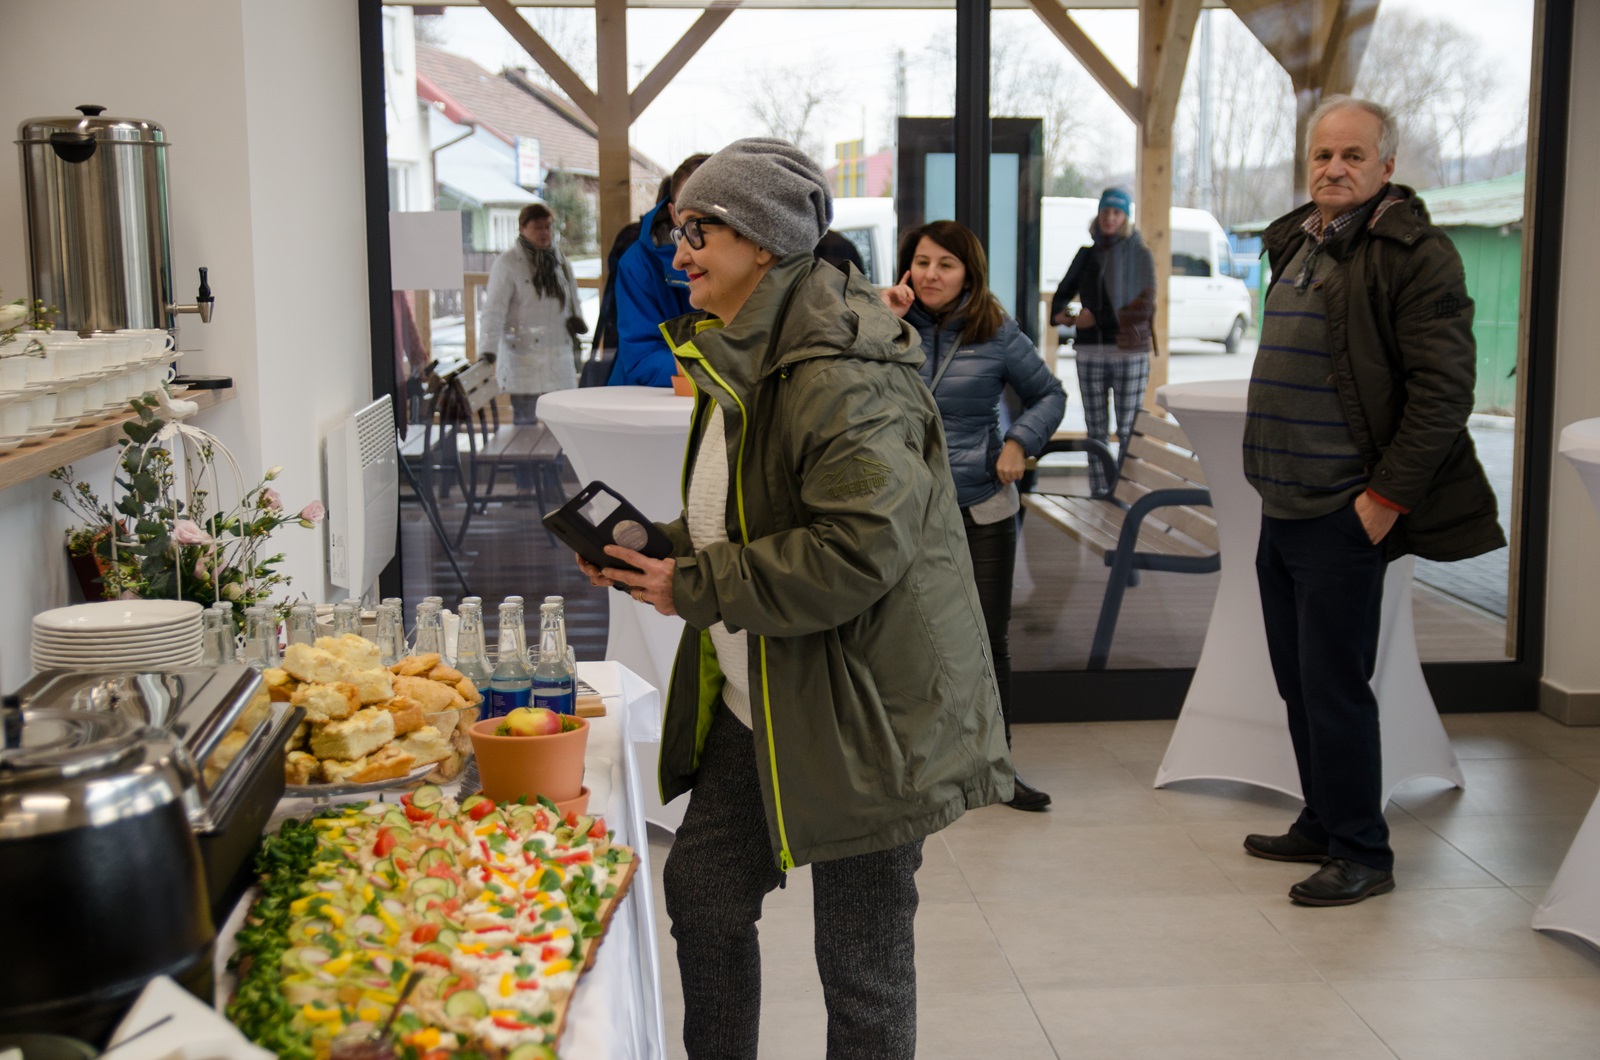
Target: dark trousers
993 549
720 869
1321 598
522 406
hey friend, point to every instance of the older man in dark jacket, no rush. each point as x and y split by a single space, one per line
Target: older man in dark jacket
1356 440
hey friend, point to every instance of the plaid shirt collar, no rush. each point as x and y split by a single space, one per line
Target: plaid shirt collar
1316 229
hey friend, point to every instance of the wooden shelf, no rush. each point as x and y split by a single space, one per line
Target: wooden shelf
30 461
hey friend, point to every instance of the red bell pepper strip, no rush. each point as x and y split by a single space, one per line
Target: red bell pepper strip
429 957
384 843
425 933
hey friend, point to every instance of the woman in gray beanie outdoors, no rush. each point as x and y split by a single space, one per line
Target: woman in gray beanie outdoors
833 701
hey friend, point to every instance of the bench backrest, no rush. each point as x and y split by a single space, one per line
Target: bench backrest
1159 457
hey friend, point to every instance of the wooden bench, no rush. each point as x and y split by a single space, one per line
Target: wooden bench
1156 515
463 443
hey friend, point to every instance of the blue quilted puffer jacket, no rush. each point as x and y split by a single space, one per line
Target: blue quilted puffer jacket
969 397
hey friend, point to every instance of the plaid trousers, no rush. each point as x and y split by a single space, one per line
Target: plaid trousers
1105 372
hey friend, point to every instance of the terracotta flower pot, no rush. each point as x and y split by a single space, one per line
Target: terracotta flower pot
516 766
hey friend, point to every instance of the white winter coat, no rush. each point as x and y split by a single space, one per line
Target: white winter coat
526 331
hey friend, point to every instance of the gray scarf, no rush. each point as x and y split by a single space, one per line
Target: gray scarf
545 265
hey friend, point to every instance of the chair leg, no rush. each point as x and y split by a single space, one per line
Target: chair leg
1122 575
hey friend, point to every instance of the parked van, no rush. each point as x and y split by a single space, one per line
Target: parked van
1204 299
869 223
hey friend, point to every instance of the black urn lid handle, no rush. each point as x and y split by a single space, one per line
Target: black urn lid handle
91 110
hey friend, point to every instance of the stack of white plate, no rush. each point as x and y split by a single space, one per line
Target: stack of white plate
117 635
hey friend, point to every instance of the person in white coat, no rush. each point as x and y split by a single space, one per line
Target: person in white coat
531 321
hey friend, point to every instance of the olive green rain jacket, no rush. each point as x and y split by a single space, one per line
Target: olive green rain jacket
876 716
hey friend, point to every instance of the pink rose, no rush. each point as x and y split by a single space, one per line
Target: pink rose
313 512
270 499
188 532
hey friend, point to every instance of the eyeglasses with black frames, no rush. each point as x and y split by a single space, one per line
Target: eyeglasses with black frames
694 231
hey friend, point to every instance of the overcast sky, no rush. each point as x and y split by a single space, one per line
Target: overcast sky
706 106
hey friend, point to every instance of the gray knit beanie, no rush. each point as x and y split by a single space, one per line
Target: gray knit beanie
768 190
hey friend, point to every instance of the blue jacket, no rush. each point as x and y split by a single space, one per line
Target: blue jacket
649 293
969 393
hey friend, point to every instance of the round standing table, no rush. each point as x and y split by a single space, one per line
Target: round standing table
1572 904
1233 724
632 438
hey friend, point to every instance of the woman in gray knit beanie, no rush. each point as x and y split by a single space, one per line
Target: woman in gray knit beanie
833 701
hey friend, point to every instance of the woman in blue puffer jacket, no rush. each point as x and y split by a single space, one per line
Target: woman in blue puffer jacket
974 352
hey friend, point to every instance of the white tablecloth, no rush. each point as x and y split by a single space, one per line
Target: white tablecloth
616 1013
1233 724
1572 904
632 438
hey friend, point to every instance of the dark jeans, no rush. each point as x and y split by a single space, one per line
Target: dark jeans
522 406
720 869
1321 598
993 549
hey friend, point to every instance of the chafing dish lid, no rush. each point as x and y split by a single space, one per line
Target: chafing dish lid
53 743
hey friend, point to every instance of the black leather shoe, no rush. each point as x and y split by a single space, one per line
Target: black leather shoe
1028 798
1342 882
1291 846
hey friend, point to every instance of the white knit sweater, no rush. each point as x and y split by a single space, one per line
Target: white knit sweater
706 514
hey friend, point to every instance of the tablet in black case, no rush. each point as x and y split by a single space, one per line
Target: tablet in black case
599 516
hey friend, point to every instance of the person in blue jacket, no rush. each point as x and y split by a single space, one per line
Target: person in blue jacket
974 351
649 291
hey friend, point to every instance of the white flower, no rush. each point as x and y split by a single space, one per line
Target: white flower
274 471
12 315
232 591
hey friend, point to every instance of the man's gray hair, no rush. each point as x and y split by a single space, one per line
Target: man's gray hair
1388 139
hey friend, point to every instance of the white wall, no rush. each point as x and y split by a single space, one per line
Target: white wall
261 102
1572 665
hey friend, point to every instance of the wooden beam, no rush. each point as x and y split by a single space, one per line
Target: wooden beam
1105 73
1166 29
1346 46
548 59
664 71
612 117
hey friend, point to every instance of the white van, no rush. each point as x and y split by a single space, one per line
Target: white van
869 223
1204 299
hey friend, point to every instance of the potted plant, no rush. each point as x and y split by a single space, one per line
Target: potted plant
153 543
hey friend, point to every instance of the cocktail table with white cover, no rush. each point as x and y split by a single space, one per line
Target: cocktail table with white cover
1233 724
632 438
1572 904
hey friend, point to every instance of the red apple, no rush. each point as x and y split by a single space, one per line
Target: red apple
533 721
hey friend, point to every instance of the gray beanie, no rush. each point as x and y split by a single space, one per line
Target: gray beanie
768 190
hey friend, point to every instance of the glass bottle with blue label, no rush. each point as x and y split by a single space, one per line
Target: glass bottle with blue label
472 657
553 684
511 685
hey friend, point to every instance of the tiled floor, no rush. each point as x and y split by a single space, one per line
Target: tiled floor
1126 923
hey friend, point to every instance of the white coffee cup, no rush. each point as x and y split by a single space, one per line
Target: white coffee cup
14 372
15 419
69 403
42 412
150 343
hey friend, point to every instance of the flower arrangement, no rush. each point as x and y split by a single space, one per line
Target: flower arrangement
153 544
18 314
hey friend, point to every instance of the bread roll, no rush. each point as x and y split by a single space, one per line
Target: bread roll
324 703
306 663
414 665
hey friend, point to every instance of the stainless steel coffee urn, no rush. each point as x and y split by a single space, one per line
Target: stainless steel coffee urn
95 198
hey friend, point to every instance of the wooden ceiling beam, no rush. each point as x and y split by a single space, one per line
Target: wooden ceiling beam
548 59
674 61
1103 70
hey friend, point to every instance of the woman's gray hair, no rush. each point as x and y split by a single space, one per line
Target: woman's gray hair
1388 139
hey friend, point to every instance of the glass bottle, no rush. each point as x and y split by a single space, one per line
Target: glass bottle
216 638
472 655
302 624
260 636
430 629
511 685
572 656
346 618
391 632
522 609
229 639
553 686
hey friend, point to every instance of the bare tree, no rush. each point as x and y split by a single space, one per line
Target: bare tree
790 102
1437 81
1252 130
1027 81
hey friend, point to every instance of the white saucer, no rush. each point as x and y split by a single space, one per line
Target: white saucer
119 615
8 444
